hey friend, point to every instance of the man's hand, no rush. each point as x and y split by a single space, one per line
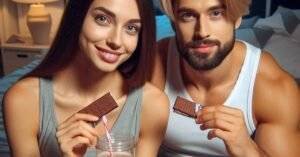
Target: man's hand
227 124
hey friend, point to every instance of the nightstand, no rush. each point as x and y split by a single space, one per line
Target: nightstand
17 55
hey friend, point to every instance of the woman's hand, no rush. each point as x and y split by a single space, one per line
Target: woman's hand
75 134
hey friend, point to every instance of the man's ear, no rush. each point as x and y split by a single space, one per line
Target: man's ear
238 22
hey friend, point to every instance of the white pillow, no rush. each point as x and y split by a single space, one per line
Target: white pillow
287 53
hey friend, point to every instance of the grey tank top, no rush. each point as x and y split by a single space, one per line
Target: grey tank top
128 121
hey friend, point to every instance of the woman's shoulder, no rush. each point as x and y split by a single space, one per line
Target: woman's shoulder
24 90
21 110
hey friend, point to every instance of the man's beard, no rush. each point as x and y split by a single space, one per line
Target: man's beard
204 61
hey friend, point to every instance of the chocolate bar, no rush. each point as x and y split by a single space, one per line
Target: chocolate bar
186 107
101 106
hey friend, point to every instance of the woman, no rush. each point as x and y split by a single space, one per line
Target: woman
102 46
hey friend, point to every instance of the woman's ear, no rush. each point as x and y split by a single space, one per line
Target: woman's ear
238 22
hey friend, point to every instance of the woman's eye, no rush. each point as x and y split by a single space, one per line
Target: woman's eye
102 19
187 16
132 29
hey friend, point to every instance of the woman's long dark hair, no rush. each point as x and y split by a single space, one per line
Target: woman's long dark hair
66 42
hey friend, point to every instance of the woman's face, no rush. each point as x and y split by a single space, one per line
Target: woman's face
110 32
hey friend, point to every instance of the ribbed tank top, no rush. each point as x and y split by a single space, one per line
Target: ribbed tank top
127 122
183 137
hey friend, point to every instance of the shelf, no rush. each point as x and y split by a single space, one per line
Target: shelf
22 46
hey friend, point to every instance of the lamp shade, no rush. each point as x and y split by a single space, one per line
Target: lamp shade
34 1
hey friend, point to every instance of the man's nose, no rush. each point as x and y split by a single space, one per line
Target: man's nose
201 28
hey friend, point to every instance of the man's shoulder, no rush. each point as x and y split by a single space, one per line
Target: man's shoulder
270 71
275 90
153 95
158 77
163 44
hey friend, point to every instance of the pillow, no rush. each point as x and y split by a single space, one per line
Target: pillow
163 27
287 53
296 33
282 23
248 22
294 28
281 9
255 36
290 21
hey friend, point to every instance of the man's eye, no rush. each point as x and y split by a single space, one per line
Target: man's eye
132 29
102 19
187 16
217 13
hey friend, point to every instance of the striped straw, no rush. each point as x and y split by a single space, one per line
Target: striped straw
104 119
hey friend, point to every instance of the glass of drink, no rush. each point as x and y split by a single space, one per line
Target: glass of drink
119 145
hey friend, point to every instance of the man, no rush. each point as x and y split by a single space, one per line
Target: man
250 105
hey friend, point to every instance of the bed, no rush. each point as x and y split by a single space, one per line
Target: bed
279 34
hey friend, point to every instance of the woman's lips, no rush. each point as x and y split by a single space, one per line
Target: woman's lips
108 55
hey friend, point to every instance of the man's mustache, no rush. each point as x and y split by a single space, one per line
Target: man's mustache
197 43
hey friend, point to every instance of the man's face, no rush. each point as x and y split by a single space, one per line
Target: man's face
204 34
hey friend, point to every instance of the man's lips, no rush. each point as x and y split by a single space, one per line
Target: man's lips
203 48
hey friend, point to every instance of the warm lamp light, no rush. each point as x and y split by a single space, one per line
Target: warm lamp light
38 20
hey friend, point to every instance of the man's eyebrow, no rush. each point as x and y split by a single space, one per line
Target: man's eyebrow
216 7
106 11
184 9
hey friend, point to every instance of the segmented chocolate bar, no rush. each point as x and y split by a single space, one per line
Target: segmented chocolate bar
101 106
185 107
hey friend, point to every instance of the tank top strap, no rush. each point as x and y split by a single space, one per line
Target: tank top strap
128 121
48 143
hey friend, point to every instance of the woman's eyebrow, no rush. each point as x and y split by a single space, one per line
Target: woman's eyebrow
106 11
135 21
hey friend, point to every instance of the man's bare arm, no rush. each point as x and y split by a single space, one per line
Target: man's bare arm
277 110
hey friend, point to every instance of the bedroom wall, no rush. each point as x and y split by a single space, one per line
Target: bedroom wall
9 15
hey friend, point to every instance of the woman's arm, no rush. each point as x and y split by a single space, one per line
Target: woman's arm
21 114
154 119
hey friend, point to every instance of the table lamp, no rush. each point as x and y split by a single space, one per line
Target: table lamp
38 20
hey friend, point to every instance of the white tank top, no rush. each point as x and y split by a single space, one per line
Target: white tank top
183 137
